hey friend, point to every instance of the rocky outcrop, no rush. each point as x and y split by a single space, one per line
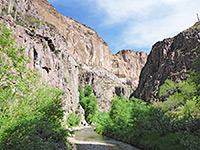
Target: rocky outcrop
169 59
129 63
105 84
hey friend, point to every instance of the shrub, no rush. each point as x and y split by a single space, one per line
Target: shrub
30 113
73 120
89 103
148 126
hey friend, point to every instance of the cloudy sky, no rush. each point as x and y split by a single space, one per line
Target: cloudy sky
132 24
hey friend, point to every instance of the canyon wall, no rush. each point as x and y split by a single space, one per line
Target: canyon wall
86 46
129 63
68 54
169 59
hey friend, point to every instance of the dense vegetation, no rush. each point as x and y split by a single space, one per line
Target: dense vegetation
30 113
73 119
171 124
89 103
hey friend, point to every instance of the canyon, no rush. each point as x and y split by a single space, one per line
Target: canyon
69 55
159 109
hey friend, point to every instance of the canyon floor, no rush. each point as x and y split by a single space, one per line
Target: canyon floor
87 139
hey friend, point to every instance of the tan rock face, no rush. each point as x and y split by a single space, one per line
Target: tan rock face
88 47
55 65
105 84
169 59
129 63
83 42
69 55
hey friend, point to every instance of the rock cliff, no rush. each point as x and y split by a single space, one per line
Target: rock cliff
86 46
69 54
105 85
83 42
129 63
55 67
169 59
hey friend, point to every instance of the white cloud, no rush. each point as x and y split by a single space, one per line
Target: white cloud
146 21
142 22
118 11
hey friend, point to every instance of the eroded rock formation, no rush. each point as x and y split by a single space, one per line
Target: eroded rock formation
129 63
83 42
169 59
105 85
69 54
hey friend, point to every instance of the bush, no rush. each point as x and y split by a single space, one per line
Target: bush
103 122
30 114
73 120
89 103
147 126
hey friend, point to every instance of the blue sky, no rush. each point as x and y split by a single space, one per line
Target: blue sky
132 24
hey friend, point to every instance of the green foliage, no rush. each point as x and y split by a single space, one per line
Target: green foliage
11 58
182 102
118 113
89 103
168 88
30 114
169 124
81 94
65 80
122 121
150 126
185 88
73 120
32 122
103 122
63 56
88 91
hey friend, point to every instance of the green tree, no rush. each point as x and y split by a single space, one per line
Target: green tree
183 102
73 120
120 112
30 113
89 103
88 91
